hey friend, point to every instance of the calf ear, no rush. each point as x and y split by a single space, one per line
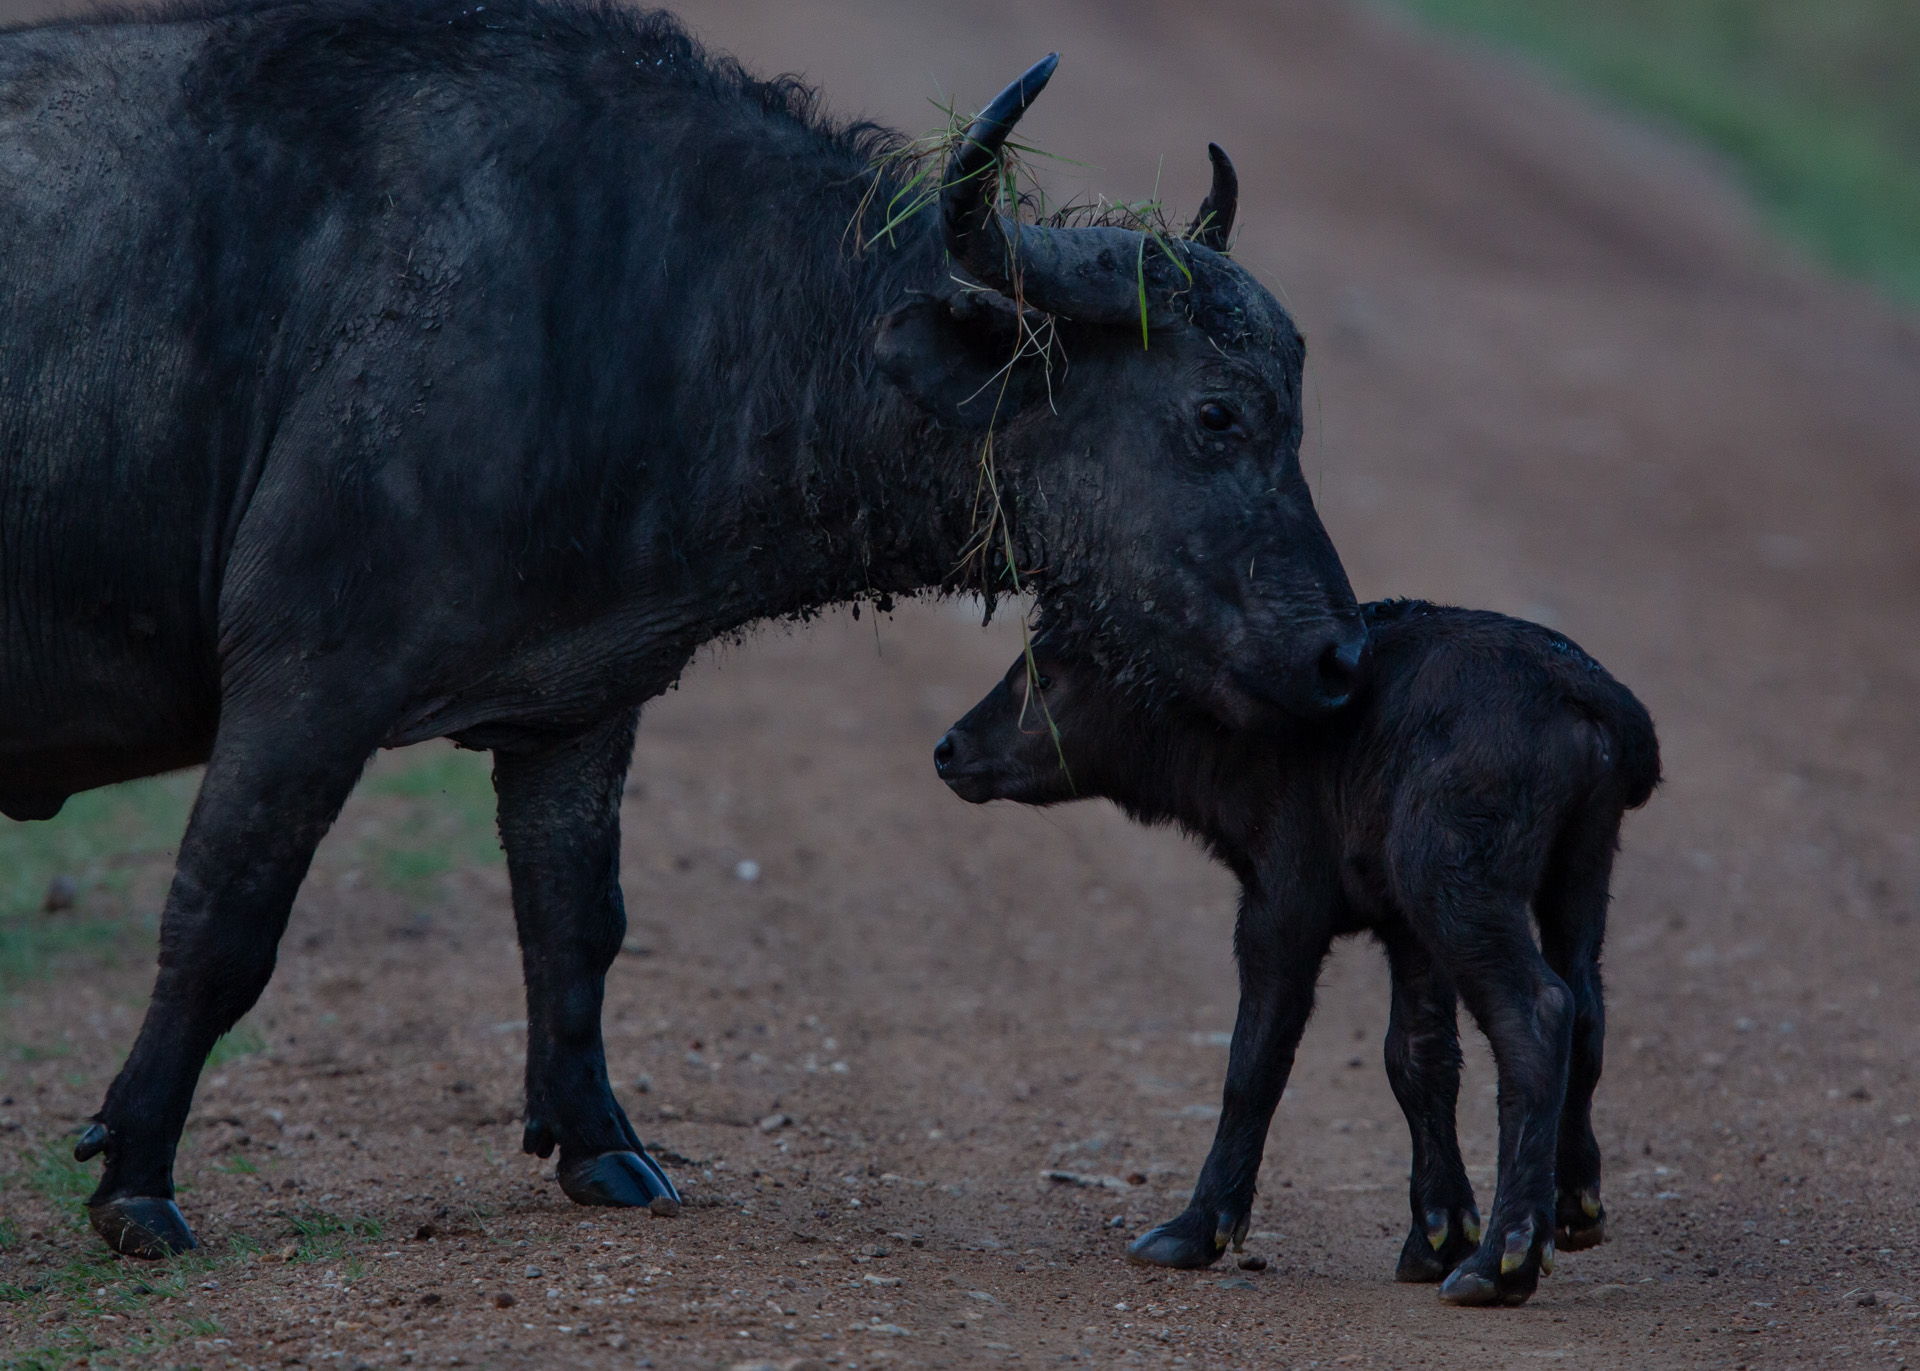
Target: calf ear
955 358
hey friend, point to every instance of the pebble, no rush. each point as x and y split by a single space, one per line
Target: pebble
1253 1261
61 893
533 1273
773 1123
662 1207
1235 1283
504 1300
748 870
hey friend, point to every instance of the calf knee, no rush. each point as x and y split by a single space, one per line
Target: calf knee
1553 1015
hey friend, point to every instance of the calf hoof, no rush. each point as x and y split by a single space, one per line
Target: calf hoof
1502 1270
1439 1245
1581 1222
1187 1243
142 1226
620 1180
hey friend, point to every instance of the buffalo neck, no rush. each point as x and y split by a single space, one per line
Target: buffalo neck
783 471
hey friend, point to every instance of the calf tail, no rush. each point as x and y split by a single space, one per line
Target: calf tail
1635 748
1638 761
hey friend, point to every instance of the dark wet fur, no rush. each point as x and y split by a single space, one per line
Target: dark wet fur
1479 779
383 370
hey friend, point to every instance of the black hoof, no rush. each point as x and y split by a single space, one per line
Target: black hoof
1505 1269
1470 1290
1581 1222
1187 1243
1439 1245
142 1226
620 1180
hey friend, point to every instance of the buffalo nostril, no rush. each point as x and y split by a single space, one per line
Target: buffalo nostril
943 754
1341 666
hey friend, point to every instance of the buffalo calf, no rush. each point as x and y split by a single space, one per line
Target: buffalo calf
1482 772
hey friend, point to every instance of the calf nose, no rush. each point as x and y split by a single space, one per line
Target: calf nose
1342 664
943 754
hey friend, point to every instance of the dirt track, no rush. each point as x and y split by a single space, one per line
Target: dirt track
1553 372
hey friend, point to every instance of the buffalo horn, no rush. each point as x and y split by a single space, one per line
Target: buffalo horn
966 195
1214 223
1091 274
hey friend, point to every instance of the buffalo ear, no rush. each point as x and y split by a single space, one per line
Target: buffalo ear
950 356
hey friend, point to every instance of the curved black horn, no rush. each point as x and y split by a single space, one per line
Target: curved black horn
967 219
1093 274
1214 223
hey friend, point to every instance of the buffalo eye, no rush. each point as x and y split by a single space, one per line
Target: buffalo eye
1044 681
1215 418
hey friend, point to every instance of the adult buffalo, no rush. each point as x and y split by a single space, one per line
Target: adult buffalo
377 372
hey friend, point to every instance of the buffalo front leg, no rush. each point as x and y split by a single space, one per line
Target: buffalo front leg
1423 1067
271 790
1280 958
560 823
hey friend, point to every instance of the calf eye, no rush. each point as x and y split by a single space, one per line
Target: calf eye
1044 681
1215 418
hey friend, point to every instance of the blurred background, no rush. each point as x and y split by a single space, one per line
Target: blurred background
1610 315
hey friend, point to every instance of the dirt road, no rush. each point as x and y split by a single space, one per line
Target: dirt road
1553 371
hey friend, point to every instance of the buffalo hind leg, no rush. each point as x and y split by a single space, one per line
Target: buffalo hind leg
1526 1012
1572 908
1423 1067
560 824
1280 952
270 792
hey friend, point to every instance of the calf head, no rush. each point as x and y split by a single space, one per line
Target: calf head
1039 737
1152 455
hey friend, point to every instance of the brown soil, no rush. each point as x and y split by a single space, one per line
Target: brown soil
1554 372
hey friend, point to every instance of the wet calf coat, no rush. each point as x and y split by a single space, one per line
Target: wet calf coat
1481 775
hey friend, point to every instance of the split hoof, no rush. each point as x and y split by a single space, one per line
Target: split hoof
142 1226
1470 1290
1581 1238
620 1180
1581 1222
1176 1245
1506 1274
1435 1248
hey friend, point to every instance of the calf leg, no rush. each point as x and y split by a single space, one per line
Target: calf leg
273 785
1280 957
1423 1067
1572 909
560 823
1526 1011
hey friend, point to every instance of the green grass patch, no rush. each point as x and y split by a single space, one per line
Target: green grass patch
50 1171
1816 103
445 823
96 1282
322 1236
242 1040
117 843
87 1280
